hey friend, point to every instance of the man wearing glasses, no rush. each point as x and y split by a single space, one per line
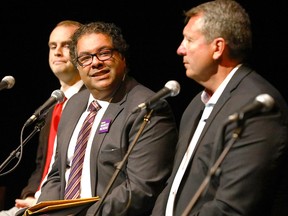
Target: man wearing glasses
98 50
102 55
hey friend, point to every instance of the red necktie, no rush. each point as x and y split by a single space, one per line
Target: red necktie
72 190
53 131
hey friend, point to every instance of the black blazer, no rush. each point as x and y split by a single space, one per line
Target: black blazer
252 173
148 166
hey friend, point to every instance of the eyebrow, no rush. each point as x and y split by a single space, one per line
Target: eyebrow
99 50
62 42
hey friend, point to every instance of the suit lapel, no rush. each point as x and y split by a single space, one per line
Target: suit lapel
188 126
75 108
113 110
225 96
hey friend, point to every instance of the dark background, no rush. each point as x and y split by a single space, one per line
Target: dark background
153 30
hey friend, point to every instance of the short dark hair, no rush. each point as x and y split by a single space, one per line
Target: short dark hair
109 29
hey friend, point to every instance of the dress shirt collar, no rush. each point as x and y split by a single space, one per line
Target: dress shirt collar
73 89
207 100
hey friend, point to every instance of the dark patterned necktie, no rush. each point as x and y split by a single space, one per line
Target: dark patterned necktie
72 190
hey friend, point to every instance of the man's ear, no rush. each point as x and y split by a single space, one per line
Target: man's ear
219 47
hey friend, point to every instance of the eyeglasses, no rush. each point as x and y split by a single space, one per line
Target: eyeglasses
102 55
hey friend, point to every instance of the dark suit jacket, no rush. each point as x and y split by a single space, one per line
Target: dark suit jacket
252 173
35 178
148 166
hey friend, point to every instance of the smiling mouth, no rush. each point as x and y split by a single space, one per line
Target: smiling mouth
99 73
58 62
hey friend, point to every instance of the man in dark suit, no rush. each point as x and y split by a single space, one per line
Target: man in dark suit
70 83
99 51
252 175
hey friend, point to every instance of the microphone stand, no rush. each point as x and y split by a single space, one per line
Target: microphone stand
14 153
214 170
121 164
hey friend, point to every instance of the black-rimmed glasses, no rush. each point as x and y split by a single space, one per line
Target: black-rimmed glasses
103 55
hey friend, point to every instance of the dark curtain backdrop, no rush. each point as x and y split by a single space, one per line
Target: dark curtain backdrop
153 30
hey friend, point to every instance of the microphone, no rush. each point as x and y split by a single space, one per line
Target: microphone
57 96
7 82
262 103
172 88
